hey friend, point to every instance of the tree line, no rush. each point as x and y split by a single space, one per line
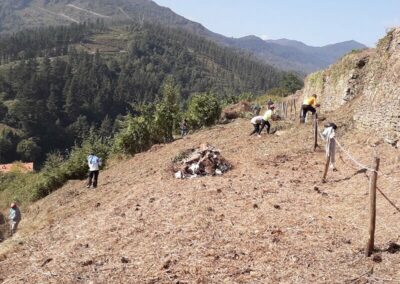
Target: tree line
52 103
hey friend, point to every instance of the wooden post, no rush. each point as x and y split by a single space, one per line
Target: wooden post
328 159
291 109
372 207
286 110
315 132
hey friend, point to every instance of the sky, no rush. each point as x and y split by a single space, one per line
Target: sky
314 22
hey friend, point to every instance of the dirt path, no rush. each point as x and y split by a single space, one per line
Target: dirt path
88 11
269 220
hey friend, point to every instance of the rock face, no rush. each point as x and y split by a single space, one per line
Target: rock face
368 83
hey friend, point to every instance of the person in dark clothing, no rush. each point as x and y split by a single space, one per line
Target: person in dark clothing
184 128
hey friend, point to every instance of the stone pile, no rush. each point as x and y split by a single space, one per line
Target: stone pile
203 161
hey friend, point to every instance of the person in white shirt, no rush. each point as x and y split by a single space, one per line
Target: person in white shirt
330 149
14 217
256 121
94 164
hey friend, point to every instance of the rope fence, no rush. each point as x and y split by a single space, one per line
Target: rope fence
373 177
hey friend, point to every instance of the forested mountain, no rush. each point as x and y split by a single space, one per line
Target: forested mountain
55 88
19 14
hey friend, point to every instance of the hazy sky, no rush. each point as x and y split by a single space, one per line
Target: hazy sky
315 22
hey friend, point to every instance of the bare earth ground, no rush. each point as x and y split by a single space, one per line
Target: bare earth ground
262 222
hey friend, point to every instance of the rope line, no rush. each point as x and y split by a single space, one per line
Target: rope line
361 166
388 200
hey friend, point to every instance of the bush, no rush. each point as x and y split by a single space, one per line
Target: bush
28 150
203 110
134 135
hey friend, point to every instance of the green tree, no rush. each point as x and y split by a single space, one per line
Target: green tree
203 110
29 150
167 112
134 135
291 82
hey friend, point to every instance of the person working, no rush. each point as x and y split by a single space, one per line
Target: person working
309 104
256 121
266 118
94 164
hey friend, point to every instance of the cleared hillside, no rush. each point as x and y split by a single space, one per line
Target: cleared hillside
268 220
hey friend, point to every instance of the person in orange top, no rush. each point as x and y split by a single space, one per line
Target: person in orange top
309 104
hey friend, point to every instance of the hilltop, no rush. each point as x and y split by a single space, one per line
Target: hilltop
270 219
283 54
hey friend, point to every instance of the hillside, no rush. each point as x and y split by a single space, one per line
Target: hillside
367 84
268 220
59 84
284 54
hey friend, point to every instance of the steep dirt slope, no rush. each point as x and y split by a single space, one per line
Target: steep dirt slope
268 220
366 82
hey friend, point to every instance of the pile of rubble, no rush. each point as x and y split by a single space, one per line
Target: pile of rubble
203 161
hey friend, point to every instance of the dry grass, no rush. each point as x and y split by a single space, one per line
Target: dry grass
269 220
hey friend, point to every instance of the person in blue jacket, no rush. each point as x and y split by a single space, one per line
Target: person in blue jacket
14 217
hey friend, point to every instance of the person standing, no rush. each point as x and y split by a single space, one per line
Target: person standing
94 164
14 217
266 118
309 104
330 149
256 121
184 128
269 103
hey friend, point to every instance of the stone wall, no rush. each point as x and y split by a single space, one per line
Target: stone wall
368 83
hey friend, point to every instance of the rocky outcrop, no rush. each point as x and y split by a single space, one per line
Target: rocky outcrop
367 82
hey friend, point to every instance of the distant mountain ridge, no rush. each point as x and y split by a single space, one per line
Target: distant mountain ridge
284 54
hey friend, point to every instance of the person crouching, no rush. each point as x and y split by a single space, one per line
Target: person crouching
256 121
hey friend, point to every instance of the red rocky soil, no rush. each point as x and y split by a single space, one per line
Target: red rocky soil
268 220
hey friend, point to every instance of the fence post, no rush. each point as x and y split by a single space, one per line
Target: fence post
328 159
315 132
372 207
286 110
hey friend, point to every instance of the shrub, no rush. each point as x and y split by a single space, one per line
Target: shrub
28 150
203 110
134 135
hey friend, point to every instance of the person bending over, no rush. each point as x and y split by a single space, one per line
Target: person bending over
266 118
256 121
309 104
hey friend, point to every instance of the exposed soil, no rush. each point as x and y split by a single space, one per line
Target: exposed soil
268 220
